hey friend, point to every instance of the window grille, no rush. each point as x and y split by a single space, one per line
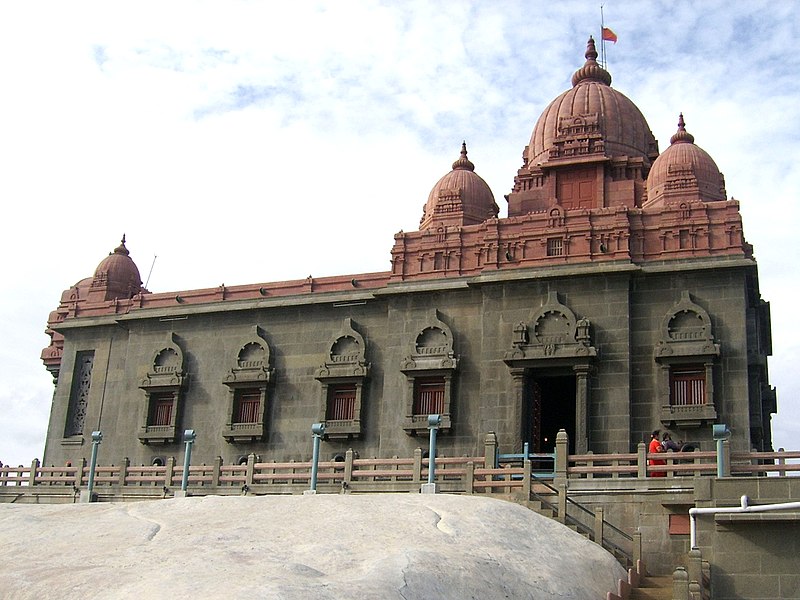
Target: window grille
429 396
248 403
162 405
341 403
688 386
555 247
79 397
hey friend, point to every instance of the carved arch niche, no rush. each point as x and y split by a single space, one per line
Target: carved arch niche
555 339
429 369
247 382
162 386
686 353
343 376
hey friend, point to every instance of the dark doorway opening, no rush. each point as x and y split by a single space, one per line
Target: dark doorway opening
549 406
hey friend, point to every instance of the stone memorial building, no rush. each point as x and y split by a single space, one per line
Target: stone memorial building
618 296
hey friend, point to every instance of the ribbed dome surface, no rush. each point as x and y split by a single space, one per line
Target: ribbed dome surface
118 273
461 197
592 104
685 169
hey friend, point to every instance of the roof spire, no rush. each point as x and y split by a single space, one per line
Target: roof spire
463 162
591 70
682 136
121 249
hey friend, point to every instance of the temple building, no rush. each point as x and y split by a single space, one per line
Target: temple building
617 297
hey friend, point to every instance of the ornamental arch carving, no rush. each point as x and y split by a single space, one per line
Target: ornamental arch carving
343 377
162 386
429 368
247 382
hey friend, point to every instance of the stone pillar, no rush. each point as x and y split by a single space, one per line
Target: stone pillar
216 471
562 455
168 471
581 408
518 380
123 471
562 502
599 522
490 450
680 584
251 462
641 460
34 471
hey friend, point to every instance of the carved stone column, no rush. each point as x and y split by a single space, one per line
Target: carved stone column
581 408
518 378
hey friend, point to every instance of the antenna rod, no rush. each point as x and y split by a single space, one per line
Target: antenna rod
155 256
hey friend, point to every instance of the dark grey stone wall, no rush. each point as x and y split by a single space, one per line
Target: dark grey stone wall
625 305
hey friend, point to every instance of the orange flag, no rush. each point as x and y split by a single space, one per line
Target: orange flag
609 36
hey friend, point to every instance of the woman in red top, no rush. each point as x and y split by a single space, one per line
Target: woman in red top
655 447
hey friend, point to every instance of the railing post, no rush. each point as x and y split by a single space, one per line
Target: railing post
641 460
680 584
348 469
216 471
526 478
251 469
694 565
637 546
32 474
599 522
79 467
123 471
469 478
170 468
562 502
490 450
417 477
562 455
726 453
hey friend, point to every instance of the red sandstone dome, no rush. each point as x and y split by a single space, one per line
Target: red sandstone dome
684 169
592 106
117 275
461 197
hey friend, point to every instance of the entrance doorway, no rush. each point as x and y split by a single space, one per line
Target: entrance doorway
549 406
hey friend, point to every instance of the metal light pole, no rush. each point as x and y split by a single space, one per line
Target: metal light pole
188 436
434 421
97 437
317 431
720 433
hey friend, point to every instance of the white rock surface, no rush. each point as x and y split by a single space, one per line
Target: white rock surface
403 546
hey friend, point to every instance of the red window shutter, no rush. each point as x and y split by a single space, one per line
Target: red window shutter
429 396
341 403
162 405
248 404
687 386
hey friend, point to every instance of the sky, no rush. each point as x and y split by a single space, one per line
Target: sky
244 142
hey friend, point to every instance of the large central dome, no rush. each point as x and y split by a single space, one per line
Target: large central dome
591 118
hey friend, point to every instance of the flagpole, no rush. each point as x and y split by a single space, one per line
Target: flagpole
602 39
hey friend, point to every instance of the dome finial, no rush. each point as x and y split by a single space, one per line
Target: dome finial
463 162
121 249
591 50
591 70
682 136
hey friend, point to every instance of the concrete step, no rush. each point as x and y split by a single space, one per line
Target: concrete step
653 588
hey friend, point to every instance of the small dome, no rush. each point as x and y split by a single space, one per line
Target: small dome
461 197
118 274
591 118
684 171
